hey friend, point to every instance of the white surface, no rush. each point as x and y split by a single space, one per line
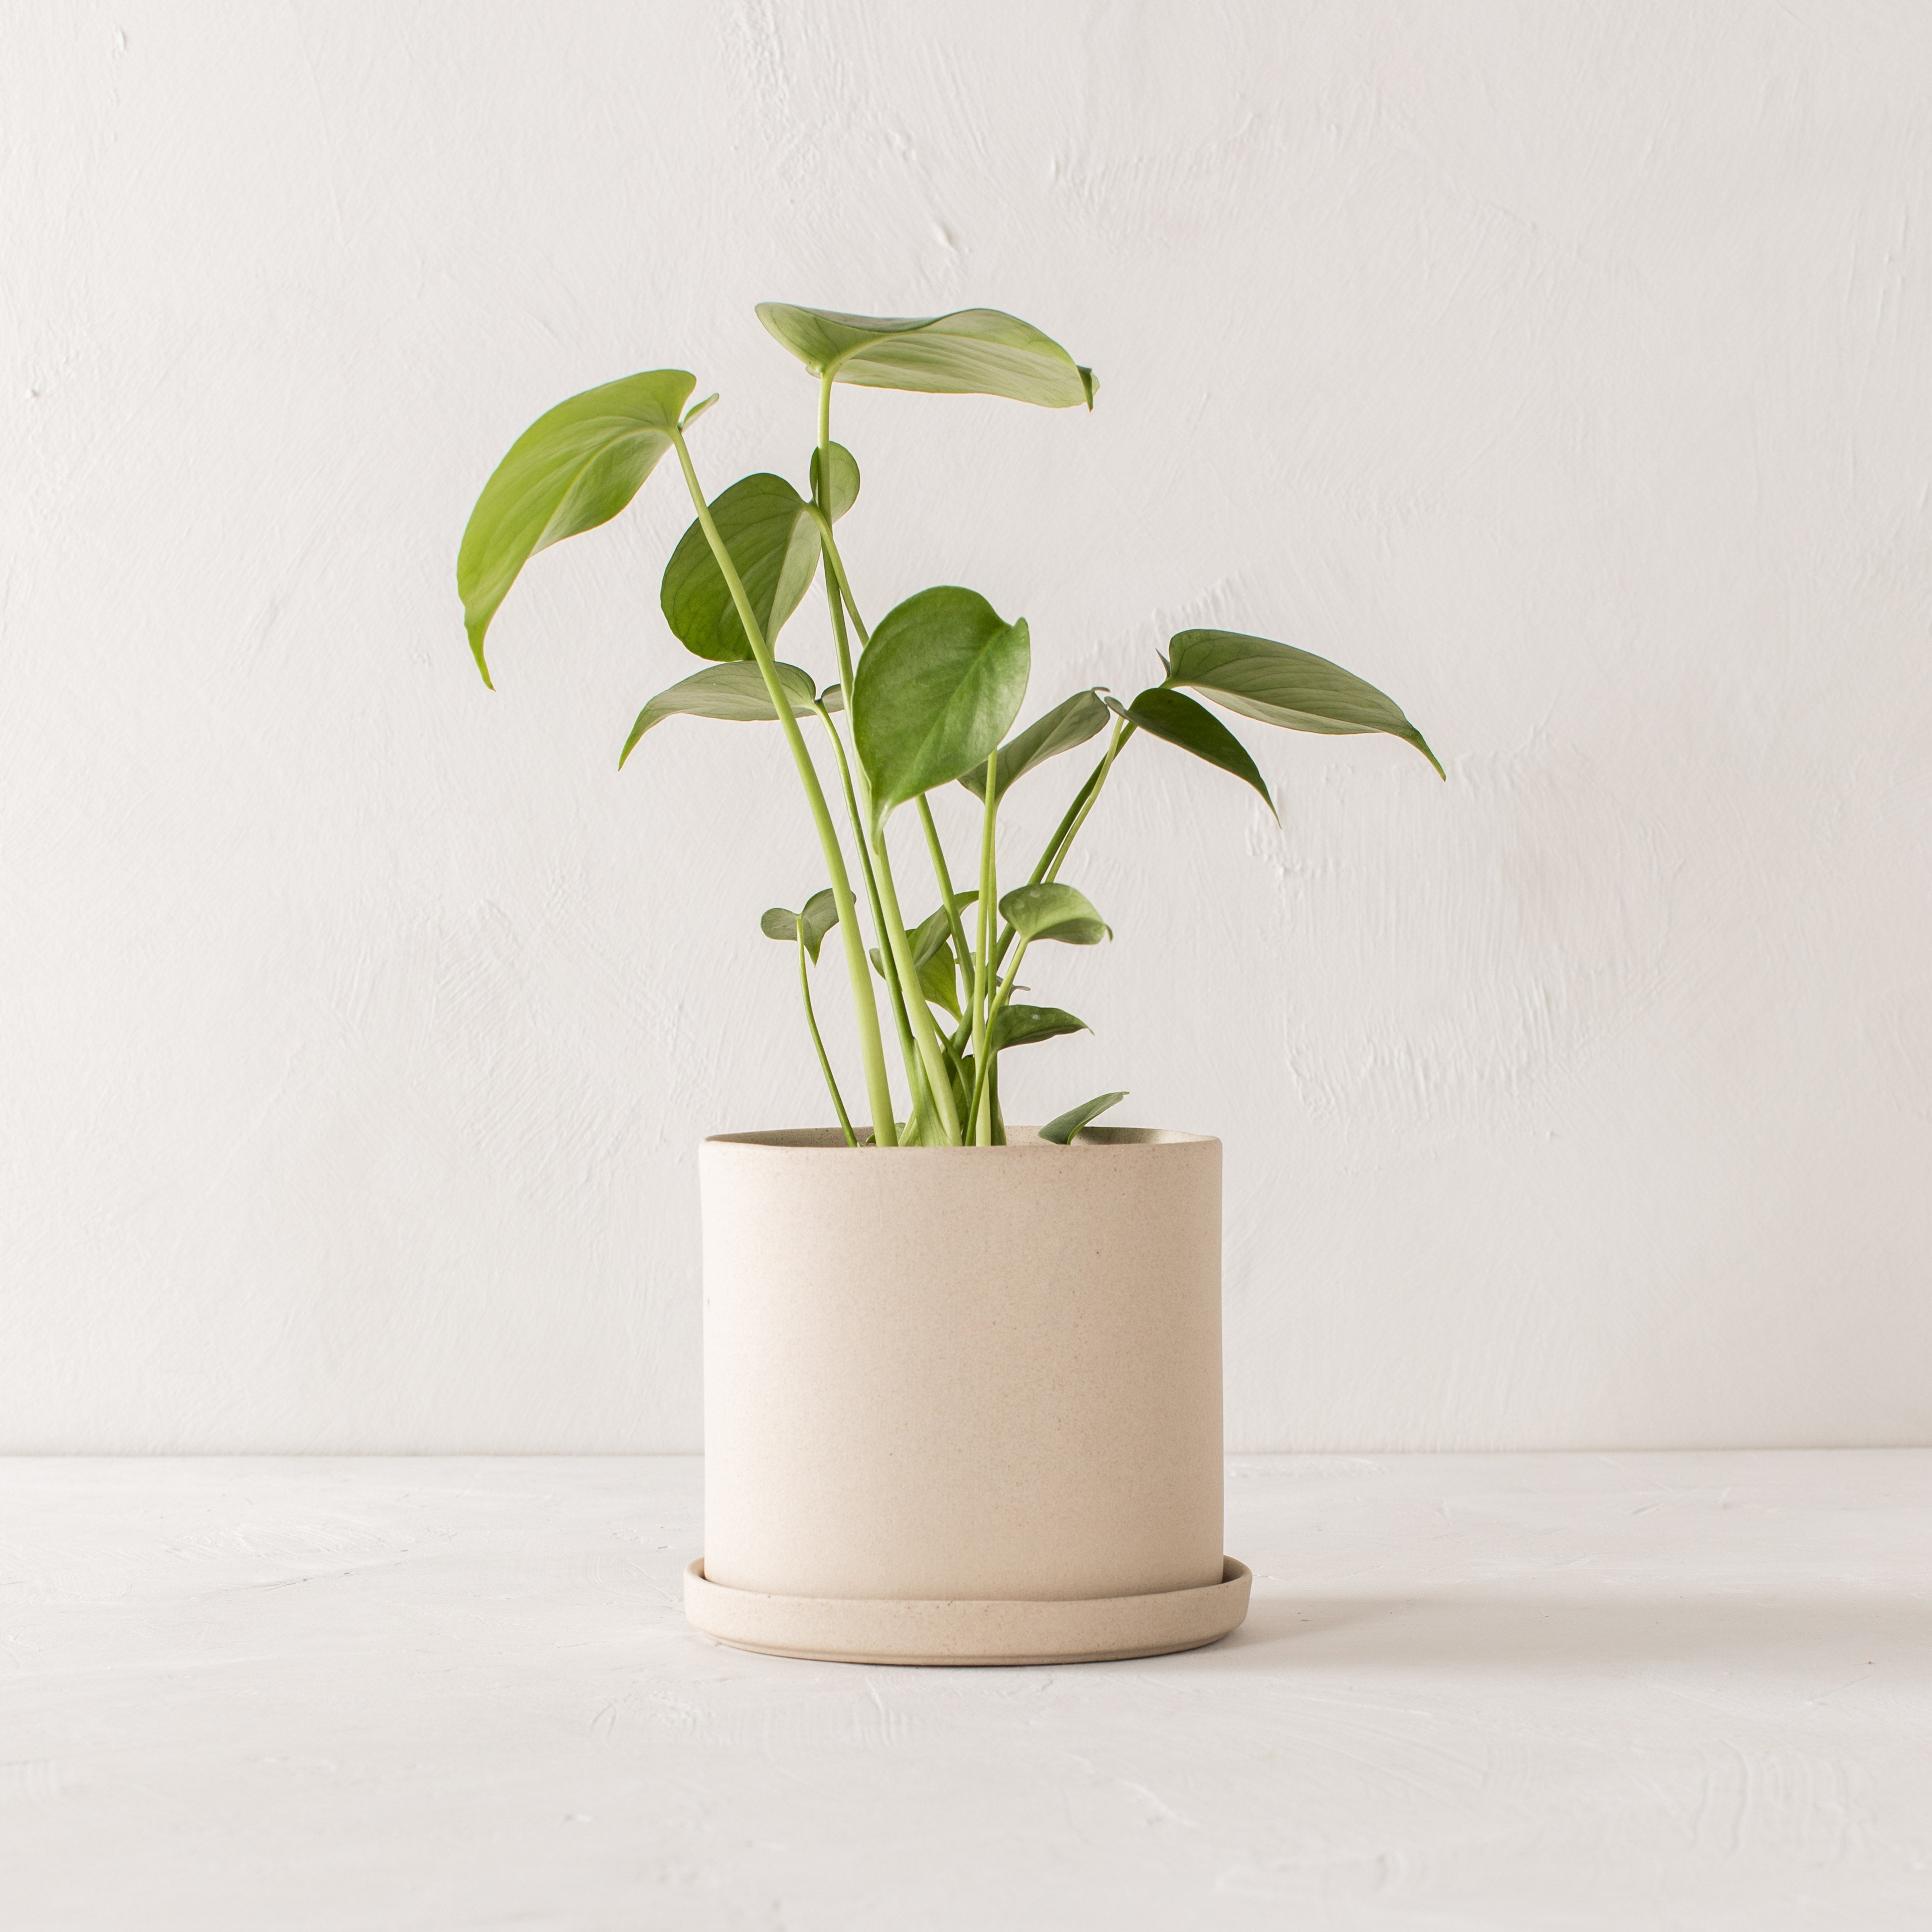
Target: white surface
1560 367
1475 1694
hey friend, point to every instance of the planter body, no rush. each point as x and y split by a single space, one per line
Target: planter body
953 1378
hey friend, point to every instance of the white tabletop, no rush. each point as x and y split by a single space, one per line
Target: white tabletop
1489 1692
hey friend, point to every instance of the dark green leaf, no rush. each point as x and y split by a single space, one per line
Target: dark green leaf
1054 912
1020 1026
1180 721
1281 685
978 352
936 691
1062 1129
573 468
844 491
768 532
1063 728
735 692
936 927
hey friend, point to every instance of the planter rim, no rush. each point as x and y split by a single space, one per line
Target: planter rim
1021 1142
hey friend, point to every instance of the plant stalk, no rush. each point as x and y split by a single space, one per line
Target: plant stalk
824 1063
872 1048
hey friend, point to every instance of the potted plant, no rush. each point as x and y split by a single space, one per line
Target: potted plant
962 1381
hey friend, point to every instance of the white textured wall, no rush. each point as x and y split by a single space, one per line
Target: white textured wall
1562 367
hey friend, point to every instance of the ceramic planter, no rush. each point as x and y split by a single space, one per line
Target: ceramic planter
963 1404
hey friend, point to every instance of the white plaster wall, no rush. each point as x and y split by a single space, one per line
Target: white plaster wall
1561 367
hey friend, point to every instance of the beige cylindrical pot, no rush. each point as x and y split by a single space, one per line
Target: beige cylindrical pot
963 1404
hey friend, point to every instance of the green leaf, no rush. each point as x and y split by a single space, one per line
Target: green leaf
735 692
573 468
1021 1026
1180 721
768 534
833 698
935 928
844 490
938 688
1281 685
1062 1129
820 915
972 351
1054 912
1066 725
936 979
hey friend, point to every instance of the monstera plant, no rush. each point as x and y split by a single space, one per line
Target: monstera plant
926 697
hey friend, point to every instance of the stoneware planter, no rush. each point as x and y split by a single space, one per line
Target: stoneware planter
963 1404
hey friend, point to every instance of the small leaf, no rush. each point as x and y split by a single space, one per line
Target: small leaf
1063 728
1062 1129
844 490
936 979
1020 1026
935 928
972 351
1281 685
820 915
936 691
734 692
779 923
575 467
1054 912
772 542
833 698
1180 721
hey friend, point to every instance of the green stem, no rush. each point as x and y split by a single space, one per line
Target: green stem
872 1048
982 1067
939 1086
824 1063
943 873
908 1053
983 968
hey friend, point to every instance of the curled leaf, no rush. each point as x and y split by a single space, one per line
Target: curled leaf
768 533
1178 719
733 692
1279 684
575 467
1062 1129
1068 723
1021 1026
844 492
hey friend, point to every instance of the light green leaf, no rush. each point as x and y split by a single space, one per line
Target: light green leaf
1180 721
833 698
573 468
734 692
1066 725
1062 1129
938 688
1054 912
976 352
936 979
844 490
768 532
1281 685
1021 1026
820 915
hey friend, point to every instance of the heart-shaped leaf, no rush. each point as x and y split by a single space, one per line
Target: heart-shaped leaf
734 692
1281 685
1021 1026
820 915
1062 1129
1180 721
938 688
972 351
1054 912
573 468
1067 725
844 490
767 530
